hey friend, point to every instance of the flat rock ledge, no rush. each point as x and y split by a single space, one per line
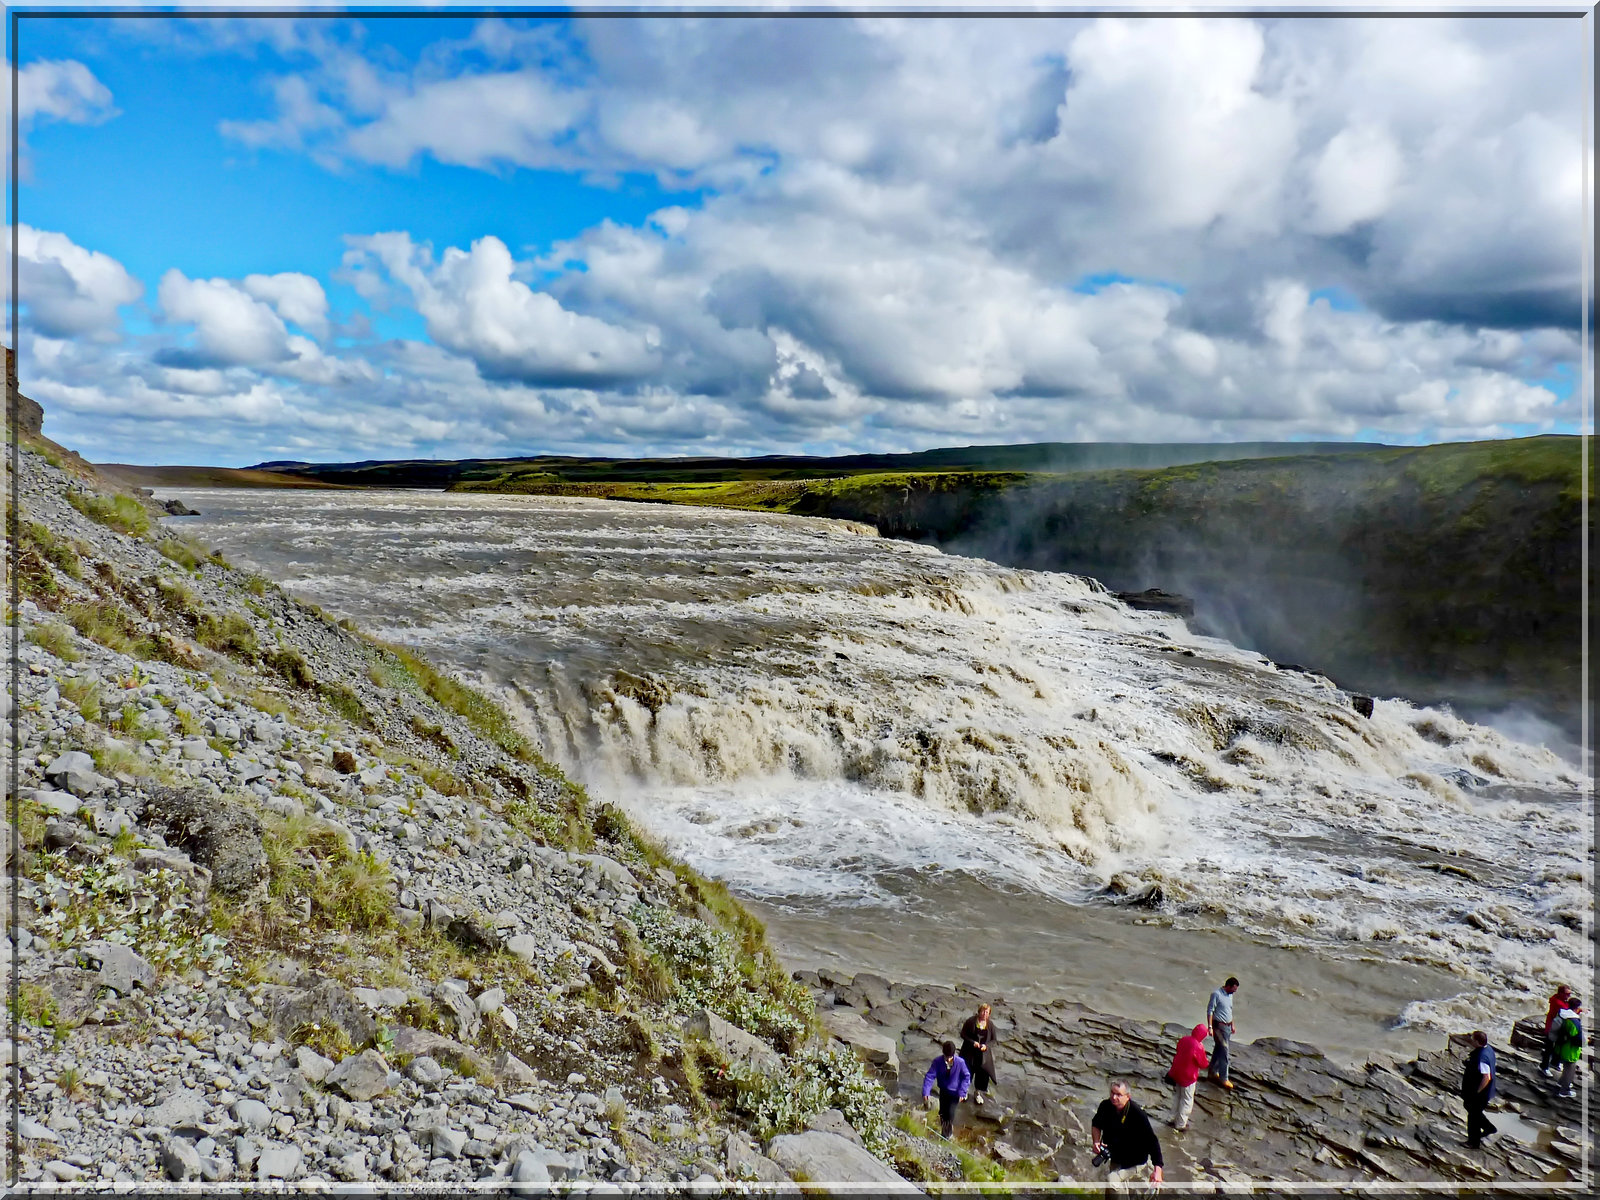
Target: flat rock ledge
1294 1115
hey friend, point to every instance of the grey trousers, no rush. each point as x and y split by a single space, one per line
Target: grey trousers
1221 1036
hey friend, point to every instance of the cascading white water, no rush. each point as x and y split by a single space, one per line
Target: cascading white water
820 716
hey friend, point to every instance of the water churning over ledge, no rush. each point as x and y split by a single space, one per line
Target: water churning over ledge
823 717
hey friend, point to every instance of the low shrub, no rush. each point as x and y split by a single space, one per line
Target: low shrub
121 513
182 551
228 634
56 638
707 973
289 663
84 692
810 1082
342 699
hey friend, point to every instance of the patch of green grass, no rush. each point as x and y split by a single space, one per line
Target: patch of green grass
483 714
182 551
291 665
85 693
343 700
255 584
106 623
228 634
175 594
53 549
119 512
56 638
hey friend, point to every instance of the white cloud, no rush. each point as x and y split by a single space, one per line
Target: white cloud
298 299
67 290
1354 179
232 327
473 306
61 90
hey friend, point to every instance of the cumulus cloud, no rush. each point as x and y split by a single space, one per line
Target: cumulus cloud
296 298
899 232
474 306
62 90
231 327
66 290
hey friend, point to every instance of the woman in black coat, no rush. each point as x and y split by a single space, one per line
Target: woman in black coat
978 1038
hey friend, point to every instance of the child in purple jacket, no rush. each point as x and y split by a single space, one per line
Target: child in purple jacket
954 1079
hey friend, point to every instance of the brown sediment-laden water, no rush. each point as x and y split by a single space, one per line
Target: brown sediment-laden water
939 768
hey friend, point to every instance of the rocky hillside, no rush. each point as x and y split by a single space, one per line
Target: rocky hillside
294 905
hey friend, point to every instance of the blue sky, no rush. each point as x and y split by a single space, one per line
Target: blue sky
245 239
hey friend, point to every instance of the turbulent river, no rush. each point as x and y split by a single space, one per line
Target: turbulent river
938 768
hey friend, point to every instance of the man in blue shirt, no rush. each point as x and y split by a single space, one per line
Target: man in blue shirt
1477 1089
1219 1015
954 1079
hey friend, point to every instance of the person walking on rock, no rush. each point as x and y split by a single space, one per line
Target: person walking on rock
1122 1130
1477 1088
1184 1073
1569 1044
977 1051
1552 1013
1219 1015
950 1073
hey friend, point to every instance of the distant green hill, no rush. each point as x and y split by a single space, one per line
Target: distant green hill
1442 573
1039 456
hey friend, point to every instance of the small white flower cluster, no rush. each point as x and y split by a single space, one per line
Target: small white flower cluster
816 1079
705 964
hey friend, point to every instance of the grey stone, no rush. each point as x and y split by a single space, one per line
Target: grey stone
120 968
524 946
313 1066
462 1011
252 1114
446 1142
74 771
219 834
179 1161
184 1106
30 1130
831 1120
327 1005
278 1160
490 1000
871 1043
828 1158
735 1044
62 804
363 1076
511 1071
744 1162
425 1070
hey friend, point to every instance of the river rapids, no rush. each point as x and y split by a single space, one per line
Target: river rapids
896 752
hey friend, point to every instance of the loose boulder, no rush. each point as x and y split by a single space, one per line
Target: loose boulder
828 1158
217 833
362 1076
735 1044
327 1006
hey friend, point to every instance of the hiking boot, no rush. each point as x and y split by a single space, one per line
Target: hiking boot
1227 1083
978 1099
1566 1094
1548 1072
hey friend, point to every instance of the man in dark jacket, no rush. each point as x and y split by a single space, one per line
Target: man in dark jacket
1477 1088
953 1078
1121 1127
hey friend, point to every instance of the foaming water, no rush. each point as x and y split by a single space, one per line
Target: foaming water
835 723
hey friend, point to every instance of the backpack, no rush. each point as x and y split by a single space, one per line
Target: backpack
1569 1041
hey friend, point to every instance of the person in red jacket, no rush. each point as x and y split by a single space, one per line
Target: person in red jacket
1184 1073
1557 1003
